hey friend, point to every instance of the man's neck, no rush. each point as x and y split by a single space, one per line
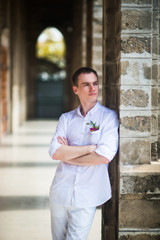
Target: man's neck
85 108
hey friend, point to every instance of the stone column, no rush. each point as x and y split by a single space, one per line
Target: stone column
111 81
139 176
155 77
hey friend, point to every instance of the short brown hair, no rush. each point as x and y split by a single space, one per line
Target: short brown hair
82 70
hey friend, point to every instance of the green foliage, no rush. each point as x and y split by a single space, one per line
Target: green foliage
50 49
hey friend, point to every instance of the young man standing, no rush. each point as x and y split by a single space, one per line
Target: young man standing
86 140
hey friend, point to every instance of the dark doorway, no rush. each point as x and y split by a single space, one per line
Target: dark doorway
51 74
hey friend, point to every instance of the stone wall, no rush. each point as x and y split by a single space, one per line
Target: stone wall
139 200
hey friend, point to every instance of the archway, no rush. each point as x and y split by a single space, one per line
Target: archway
50 74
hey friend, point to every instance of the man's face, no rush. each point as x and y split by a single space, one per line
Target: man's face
88 88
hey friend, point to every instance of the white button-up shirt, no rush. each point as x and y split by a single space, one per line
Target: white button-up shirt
85 186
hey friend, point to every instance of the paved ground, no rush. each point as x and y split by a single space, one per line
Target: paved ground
26 172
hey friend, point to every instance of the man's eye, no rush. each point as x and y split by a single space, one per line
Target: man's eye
96 83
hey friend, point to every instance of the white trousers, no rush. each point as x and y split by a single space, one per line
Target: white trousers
71 223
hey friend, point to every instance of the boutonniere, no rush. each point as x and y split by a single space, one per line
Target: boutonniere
93 127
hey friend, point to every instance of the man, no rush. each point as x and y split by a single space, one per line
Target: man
86 140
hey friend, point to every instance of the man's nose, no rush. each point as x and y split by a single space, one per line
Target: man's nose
92 86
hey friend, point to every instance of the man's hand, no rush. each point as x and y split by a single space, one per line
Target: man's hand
62 140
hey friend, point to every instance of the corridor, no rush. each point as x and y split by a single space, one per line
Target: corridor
26 172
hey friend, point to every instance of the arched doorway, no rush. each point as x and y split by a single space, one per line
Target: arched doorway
51 73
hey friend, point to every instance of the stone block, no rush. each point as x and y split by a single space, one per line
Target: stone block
158 147
154 97
154 123
156 4
138 20
139 183
135 98
154 153
155 72
139 235
139 213
155 47
136 71
135 151
136 45
155 22
137 2
135 123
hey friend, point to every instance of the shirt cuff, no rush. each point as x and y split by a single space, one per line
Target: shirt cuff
109 155
53 149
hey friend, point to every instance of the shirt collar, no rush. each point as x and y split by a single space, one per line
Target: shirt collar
91 112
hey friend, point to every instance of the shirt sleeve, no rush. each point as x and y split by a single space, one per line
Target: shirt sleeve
60 131
108 143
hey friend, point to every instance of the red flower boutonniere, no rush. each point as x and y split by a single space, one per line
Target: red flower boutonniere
93 126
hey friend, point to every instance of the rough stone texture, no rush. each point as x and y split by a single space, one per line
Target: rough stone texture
154 156
158 148
147 71
135 151
154 123
143 213
137 2
139 202
137 123
124 66
136 72
136 19
140 183
136 45
139 236
155 71
155 46
134 97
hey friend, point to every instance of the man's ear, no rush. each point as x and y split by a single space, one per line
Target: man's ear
75 90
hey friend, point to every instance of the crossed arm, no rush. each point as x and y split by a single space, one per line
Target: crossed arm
78 155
